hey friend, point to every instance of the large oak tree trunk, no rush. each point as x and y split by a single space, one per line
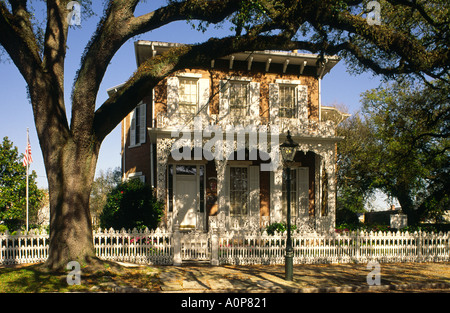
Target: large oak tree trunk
70 157
70 219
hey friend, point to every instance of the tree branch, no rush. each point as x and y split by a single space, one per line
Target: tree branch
17 38
208 11
384 38
420 8
119 25
55 41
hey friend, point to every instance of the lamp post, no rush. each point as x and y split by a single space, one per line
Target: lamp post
288 149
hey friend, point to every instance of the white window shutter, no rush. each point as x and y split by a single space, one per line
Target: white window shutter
203 96
142 122
224 98
254 99
254 190
132 129
274 102
172 95
303 190
302 102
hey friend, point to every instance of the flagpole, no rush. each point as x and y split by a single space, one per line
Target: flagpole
28 140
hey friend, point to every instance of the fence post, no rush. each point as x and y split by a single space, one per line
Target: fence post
358 246
419 246
448 247
214 246
176 245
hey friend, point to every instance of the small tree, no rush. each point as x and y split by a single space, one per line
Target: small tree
132 204
399 144
13 188
103 185
409 123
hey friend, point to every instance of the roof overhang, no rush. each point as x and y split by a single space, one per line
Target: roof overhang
147 49
333 114
114 89
155 133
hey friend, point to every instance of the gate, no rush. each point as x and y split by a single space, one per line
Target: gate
195 246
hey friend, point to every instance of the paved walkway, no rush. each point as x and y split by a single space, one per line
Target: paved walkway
394 277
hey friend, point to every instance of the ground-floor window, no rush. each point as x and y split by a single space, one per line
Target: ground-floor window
239 191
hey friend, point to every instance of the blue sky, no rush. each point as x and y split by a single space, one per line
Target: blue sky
16 115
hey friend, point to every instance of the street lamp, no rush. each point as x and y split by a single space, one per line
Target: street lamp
288 149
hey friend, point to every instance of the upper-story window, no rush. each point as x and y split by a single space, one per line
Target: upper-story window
239 98
188 95
239 94
288 101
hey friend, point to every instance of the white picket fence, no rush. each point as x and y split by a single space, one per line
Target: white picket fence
23 248
136 246
257 248
174 247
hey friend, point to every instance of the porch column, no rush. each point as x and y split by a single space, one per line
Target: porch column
330 168
276 210
222 201
163 147
276 165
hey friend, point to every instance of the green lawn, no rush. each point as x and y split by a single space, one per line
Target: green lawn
34 279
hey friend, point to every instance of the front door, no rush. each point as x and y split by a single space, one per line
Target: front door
186 200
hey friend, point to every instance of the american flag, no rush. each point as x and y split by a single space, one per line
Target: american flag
27 159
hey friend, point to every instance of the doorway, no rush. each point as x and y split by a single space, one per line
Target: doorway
188 183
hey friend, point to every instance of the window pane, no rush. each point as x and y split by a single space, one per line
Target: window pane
238 99
238 191
186 170
188 96
288 106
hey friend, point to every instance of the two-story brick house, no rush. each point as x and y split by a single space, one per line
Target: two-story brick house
208 140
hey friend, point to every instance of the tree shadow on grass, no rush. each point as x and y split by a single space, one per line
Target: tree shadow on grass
37 278
30 279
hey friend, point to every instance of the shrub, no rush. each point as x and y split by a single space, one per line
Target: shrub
279 227
3 228
346 227
346 216
132 204
423 228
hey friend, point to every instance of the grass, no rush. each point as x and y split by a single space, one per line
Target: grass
32 279
36 279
